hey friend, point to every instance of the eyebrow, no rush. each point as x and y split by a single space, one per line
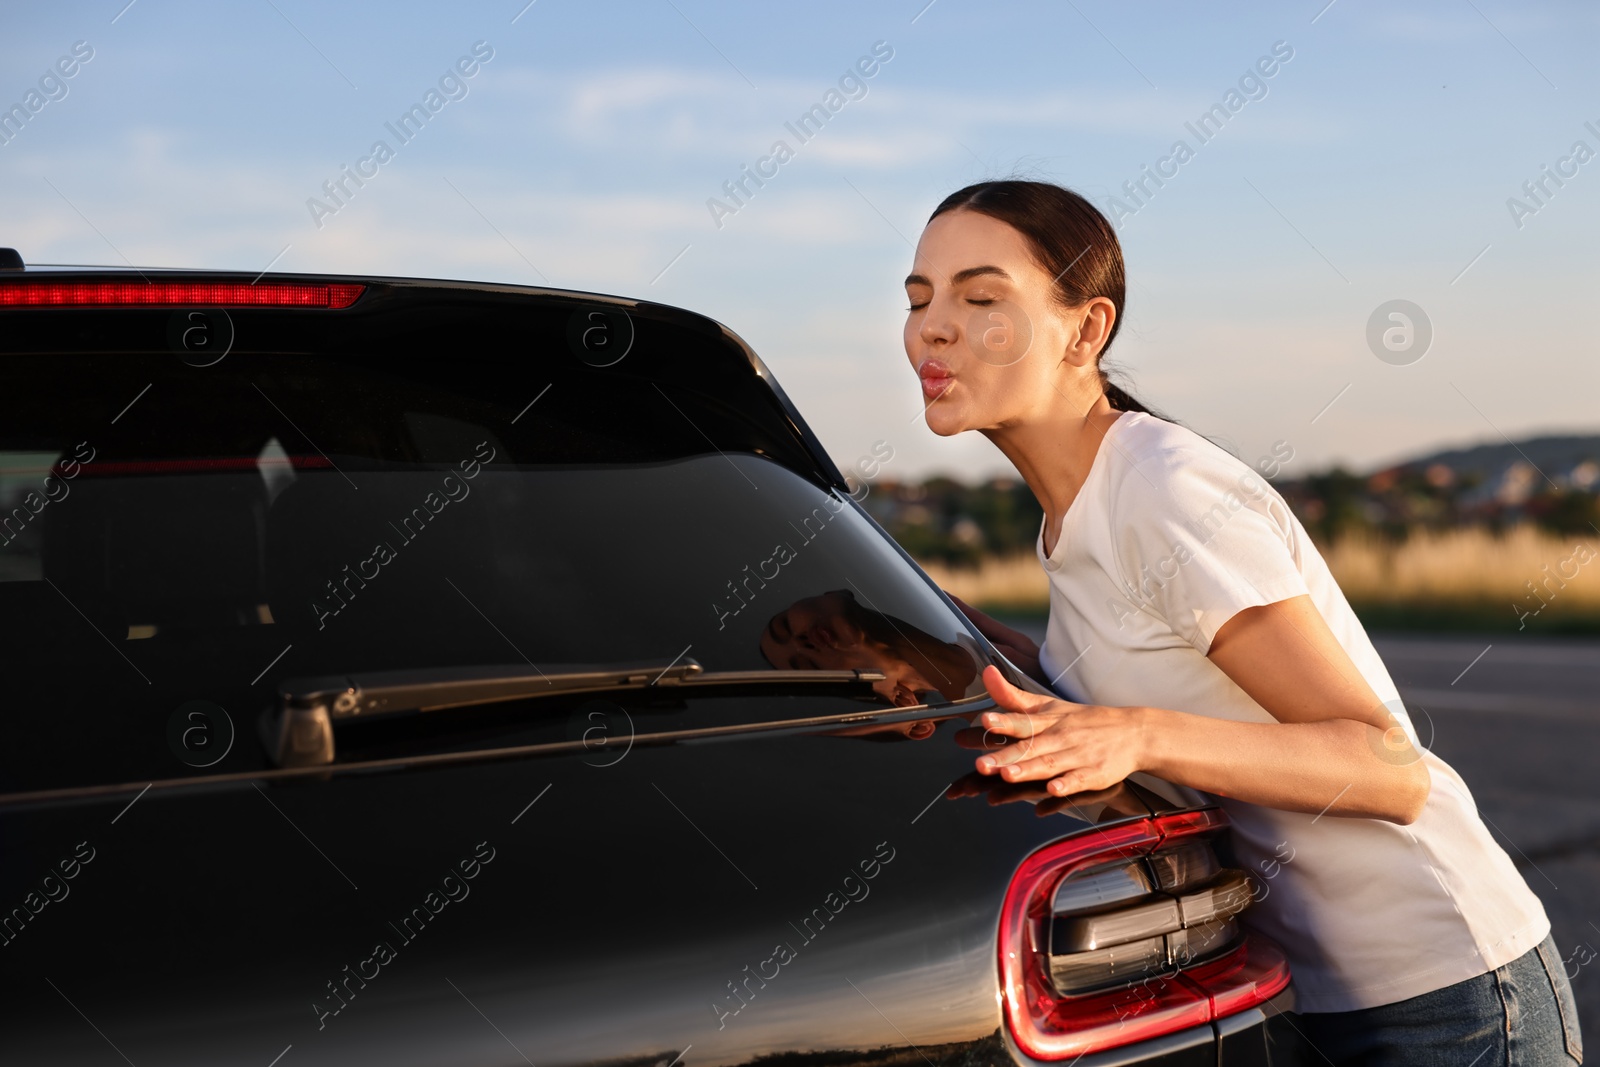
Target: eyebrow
960 276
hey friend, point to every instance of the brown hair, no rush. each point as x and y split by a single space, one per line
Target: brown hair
1071 240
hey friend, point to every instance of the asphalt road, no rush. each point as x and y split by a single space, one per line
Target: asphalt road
1522 726
1519 718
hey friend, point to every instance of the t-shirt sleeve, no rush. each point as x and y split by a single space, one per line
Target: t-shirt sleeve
1200 537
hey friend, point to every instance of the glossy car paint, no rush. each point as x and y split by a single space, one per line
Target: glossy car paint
784 895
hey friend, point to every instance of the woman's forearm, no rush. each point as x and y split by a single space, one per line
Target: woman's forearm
1333 767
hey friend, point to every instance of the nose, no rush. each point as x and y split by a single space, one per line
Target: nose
938 327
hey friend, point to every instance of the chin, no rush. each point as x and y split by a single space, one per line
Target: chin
946 422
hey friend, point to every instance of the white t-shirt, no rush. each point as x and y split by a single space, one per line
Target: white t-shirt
1170 537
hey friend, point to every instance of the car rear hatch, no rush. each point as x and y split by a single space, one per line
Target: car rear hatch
230 501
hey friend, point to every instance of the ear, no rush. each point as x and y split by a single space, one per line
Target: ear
1094 321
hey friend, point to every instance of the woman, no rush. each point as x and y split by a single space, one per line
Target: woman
1201 638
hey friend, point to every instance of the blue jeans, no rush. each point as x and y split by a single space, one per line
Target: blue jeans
1519 1014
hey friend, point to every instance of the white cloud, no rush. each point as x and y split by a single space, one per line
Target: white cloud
600 99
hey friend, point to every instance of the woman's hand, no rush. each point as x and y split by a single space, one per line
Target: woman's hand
1073 747
1014 645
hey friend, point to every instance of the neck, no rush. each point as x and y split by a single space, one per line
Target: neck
1054 452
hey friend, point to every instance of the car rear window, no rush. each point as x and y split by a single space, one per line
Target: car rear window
440 482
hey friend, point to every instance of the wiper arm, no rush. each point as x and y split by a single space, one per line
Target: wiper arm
299 731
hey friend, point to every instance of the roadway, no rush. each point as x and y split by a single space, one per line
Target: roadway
1522 726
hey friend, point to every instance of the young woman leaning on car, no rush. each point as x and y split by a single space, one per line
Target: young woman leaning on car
1195 633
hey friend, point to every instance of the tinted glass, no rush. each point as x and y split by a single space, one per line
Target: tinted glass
178 536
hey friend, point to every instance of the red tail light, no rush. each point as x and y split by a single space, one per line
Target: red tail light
176 294
1142 991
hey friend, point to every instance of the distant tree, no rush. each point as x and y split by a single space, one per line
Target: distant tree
1342 498
1566 512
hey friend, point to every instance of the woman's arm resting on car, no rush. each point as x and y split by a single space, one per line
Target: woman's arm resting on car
1335 748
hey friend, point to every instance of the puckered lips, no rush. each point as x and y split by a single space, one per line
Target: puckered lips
937 377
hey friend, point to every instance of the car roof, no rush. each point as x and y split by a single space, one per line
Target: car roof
795 426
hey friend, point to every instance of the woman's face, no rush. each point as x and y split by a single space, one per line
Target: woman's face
984 332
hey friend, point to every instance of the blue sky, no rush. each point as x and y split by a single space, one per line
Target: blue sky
1376 166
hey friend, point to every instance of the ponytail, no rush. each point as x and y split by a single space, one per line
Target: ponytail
1120 398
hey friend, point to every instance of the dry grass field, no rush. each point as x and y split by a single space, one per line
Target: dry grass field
1457 579
1014 584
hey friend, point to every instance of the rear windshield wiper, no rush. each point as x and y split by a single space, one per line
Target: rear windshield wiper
298 732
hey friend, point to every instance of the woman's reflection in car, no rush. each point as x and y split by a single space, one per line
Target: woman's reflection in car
1101 805
832 631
